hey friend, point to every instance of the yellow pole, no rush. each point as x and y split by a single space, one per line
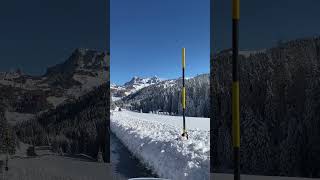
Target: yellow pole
235 88
184 132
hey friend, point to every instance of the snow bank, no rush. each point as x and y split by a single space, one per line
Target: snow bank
157 143
195 123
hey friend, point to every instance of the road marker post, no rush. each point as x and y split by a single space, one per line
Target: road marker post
235 88
184 132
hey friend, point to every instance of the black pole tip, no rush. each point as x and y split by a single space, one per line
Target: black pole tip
185 134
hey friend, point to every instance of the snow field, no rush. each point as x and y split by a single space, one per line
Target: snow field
59 168
159 145
195 123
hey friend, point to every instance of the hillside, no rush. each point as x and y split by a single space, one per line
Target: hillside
156 140
280 106
166 96
72 128
82 71
65 108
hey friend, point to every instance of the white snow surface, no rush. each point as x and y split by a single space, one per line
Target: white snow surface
156 141
113 98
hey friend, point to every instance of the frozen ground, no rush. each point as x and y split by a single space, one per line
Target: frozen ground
155 140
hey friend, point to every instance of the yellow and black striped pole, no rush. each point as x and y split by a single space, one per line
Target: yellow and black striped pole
235 88
184 132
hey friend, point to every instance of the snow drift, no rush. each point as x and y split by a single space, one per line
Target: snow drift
155 140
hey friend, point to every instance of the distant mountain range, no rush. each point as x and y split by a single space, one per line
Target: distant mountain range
155 94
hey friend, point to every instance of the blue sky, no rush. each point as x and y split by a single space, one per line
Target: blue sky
263 23
35 34
147 37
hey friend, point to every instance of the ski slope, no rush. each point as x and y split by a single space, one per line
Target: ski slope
156 141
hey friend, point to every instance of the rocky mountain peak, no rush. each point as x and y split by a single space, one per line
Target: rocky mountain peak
80 60
142 81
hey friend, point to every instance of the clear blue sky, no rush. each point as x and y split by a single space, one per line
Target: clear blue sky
263 23
35 34
147 37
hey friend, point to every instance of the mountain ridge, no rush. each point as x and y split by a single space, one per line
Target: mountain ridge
83 70
166 96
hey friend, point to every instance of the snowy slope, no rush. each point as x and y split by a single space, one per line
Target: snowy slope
195 123
155 139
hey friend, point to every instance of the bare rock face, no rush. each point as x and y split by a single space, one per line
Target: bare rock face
81 62
142 81
280 110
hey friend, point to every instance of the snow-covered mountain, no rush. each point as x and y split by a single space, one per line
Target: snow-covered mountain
84 70
142 82
84 67
70 98
132 86
166 96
